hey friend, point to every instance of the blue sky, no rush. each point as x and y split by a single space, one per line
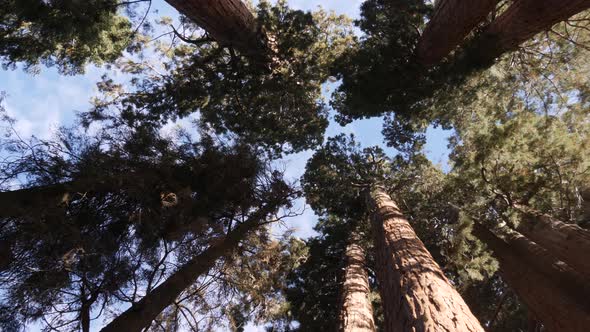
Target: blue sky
45 101
42 102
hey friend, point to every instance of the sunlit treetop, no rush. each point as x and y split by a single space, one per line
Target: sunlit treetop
278 106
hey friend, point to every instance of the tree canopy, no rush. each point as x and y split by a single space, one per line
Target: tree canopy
121 222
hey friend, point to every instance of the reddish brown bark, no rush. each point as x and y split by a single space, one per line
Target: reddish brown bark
520 22
543 297
452 21
533 324
229 22
142 313
415 293
356 311
569 281
568 242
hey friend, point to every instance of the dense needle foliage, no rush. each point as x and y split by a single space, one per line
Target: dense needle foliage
96 218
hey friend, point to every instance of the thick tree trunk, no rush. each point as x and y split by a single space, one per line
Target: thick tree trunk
452 21
568 242
142 313
45 198
229 22
569 281
520 22
556 310
6 255
18 202
356 312
415 293
533 324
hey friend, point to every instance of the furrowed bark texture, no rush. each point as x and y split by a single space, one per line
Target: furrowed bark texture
356 312
555 309
415 293
142 313
568 242
229 22
520 22
452 21
569 281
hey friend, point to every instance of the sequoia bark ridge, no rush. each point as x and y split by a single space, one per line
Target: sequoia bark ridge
356 312
415 293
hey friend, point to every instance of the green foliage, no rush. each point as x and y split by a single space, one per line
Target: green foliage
139 204
521 137
279 107
528 142
259 272
313 288
65 33
339 173
380 76
469 256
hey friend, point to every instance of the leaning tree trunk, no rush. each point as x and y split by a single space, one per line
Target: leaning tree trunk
568 242
556 310
569 281
142 313
520 22
229 22
452 21
18 202
415 293
356 312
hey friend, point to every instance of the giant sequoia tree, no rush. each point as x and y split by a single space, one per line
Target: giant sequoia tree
526 147
386 74
340 178
171 232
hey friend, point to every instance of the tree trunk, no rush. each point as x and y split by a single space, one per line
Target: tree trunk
533 324
229 22
568 242
142 313
415 293
18 202
563 276
85 317
356 312
6 255
556 310
452 21
46 198
520 22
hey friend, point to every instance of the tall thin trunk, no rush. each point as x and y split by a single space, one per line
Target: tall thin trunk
568 242
556 310
452 21
229 22
142 313
85 317
356 312
569 281
415 293
520 22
